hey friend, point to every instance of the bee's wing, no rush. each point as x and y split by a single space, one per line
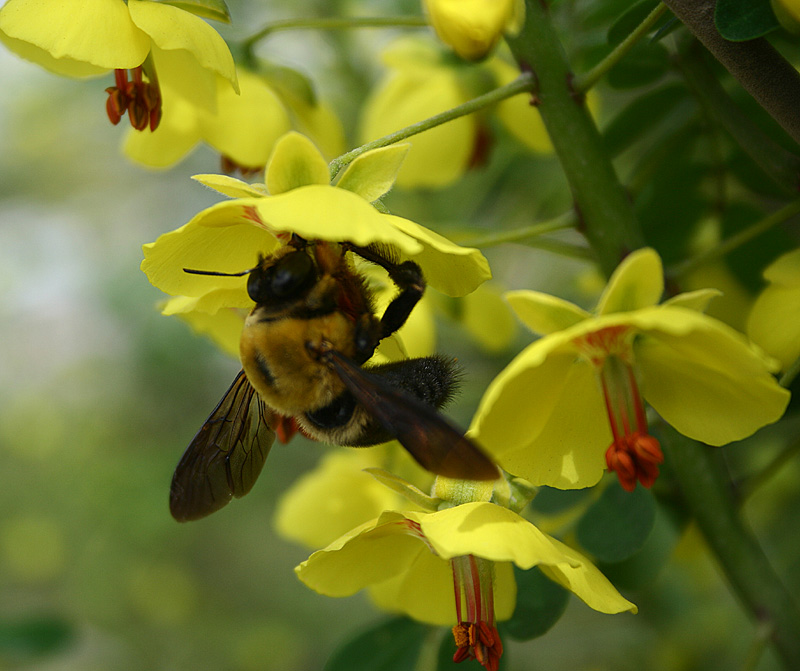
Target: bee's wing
429 437
225 457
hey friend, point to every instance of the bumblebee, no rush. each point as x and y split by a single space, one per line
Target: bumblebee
303 350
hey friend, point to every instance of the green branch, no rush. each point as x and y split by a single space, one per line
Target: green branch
707 491
737 240
602 204
336 23
521 84
588 79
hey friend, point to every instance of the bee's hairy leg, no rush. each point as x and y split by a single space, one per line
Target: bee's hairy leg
407 276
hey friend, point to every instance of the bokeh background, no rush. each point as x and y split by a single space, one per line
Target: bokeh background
100 395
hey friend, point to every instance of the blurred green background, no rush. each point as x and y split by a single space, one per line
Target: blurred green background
100 395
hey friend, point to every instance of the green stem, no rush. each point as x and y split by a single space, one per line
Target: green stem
588 79
707 492
559 223
521 84
603 207
737 240
337 23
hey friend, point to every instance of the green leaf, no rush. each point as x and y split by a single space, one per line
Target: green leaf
618 523
540 604
29 639
641 569
629 20
392 645
741 20
641 116
643 64
215 10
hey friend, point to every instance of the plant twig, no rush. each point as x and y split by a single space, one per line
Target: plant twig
588 79
521 84
336 23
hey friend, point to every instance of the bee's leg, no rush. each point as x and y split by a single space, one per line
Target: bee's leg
408 278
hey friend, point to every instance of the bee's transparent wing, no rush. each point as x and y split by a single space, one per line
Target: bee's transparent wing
225 457
429 437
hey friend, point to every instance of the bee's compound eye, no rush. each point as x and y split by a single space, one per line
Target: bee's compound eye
289 277
292 275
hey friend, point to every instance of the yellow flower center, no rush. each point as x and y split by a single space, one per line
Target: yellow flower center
140 99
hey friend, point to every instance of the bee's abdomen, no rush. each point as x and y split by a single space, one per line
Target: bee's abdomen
432 379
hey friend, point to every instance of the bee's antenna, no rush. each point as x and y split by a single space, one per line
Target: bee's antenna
191 271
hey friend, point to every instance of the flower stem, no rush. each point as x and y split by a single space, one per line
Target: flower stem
737 240
588 79
521 84
559 223
708 493
602 205
337 23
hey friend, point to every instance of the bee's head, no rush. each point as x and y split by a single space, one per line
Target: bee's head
289 277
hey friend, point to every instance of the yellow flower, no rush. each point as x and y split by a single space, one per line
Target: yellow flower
422 80
228 236
454 566
552 413
774 321
473 27
156 41
243 128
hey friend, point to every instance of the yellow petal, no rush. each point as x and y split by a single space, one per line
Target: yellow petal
315 213
97 32
785 270
694 300
224 327
560 404
488 319
774 323
230 186
703 378
490 531
229 249
172 29
373 173
448 267
425 591
638 282
438 156
369 554
333 498
585 580
246 127
176 135
178 71
295 162
517 113
543 313
470 27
